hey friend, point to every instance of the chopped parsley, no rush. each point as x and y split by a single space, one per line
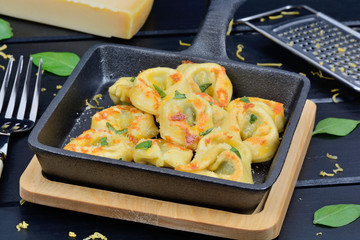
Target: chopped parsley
245 99
204 86
160 91
235 151
119 132
132 79
206 131
179 95
103 141
144 145
253 118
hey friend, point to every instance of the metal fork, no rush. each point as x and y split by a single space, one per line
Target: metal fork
19 123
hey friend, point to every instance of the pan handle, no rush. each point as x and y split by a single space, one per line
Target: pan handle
210 42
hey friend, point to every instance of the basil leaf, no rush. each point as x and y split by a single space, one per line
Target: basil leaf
245 99
5 30
235 151
206 131
204 86
179 95
253 118
103 141
58 63
144 145
335 126
337 215
160 91
118 132
132 79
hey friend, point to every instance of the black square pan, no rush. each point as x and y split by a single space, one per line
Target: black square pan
102 65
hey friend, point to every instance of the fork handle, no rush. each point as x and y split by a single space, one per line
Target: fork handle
4 142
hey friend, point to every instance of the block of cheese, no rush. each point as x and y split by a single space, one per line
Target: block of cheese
107 18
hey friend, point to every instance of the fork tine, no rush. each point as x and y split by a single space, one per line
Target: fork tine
35 101
5 81
11 104
24 95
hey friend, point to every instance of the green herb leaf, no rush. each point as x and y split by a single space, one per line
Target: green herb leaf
144 145
103 141
179 95
211 103
335 126
5 30
235 151
204 86
253 118
120 159
245 99
132 79
119 132
337 215
160 91
206 131
58 63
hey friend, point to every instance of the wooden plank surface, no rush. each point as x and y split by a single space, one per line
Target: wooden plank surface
264 224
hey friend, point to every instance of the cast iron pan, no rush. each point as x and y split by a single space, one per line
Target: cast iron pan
102 65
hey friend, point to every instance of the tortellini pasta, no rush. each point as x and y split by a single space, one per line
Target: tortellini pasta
103 143
136 123
221 154
184 119
255 127
209 78
161 153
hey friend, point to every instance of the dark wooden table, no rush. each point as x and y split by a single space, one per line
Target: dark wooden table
169 22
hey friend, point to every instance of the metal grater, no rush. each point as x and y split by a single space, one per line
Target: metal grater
319 39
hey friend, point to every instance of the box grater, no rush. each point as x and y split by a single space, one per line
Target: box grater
317 38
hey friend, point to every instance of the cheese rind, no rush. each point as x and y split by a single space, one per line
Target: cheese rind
107 18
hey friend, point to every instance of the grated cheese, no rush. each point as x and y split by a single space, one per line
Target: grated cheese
341 50
238 51
2 67
332 157
335 89
318 233
334 97
338 168
58 87
22 201
320 75
352 65
262 19
181 43
22 225
72 234
230 27
43 89
269 64
95 98
290 43
290 13
302 74
325 174
96 235
275 17
92 106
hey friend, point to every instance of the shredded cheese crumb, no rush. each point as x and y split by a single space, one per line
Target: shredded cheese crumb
318 233
352 65
54 94
269 64
333 69
321 63
43 89
262 19
275 17
321 32
290 43
181 43
290 13
2 67
341 50
5 56
335 89
95 98
334 98
230 27
317 45
342 69
238 51
22 225
58 87
3 47
325 174
92 106
22 201
302 74
338 168
72 234
320 75
96 235
332 157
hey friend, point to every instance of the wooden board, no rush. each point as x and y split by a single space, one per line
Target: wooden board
264 223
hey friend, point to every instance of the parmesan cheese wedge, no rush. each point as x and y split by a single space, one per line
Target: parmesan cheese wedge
107 18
